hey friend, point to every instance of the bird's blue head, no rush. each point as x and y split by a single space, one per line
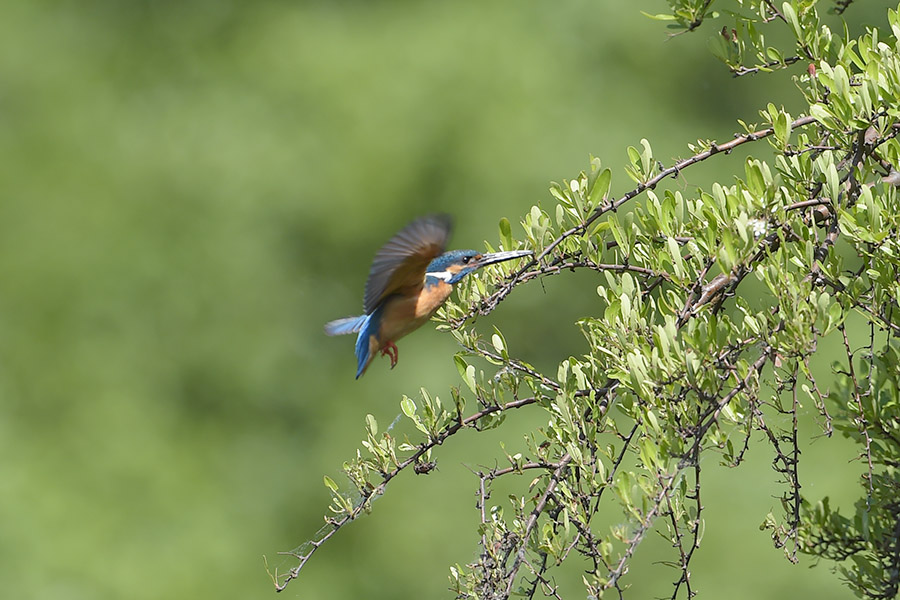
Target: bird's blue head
452 266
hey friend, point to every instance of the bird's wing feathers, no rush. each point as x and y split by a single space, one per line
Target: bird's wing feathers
401 263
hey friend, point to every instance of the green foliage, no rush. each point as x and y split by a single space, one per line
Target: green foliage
714 305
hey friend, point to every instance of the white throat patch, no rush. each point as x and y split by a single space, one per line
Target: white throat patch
442 275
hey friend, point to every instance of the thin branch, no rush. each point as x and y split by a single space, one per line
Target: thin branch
532 521
694 529
713 414
490 303
645 523
774 9
387 477
861 421
742 70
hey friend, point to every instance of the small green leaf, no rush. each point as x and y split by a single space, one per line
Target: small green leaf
675 252
834 316
659 17
634 156
330 484
751 323
791 16
470 378
600 188
646 158
461 365
648 453
506 234
823 115
408 407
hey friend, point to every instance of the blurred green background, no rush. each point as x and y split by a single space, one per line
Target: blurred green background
189 190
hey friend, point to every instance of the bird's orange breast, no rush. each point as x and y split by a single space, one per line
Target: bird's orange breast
404 314
431 299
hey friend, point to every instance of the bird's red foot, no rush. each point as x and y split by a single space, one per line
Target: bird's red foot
391 350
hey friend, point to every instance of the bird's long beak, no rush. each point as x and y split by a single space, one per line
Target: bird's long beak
495 257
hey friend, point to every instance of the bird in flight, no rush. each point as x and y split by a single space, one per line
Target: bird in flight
410 278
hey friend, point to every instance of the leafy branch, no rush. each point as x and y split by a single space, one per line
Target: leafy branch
713 304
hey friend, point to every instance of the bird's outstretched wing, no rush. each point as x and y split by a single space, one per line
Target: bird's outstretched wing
400 264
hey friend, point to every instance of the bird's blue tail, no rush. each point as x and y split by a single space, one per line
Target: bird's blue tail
345 326
362 349
366 326
368 329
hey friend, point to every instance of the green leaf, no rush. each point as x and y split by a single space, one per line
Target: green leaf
408 407
648 454
833 182
791 16
506 234
659 17
618 232
600 188
752 324
470 378
823 115
330 484
646 158
634 156
675 252
835 314
461 365
499 343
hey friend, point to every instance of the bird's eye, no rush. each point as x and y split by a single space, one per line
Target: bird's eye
466 259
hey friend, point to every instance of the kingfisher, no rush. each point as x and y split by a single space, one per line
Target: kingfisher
410 278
